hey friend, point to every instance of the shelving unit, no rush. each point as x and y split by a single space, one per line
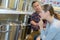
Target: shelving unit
57 9
7 11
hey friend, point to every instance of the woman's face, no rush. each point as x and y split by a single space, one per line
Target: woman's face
45 15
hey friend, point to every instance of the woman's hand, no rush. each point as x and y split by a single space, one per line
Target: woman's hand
38 38
41 24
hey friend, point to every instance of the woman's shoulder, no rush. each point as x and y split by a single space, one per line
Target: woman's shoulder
57 24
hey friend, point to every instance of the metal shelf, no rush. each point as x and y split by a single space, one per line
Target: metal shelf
7 11
57 9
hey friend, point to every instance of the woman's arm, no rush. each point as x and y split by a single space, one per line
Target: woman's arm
41 29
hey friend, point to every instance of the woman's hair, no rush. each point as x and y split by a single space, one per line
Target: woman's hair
57 15
48 7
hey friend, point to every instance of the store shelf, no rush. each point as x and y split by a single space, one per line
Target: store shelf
57 9
7 11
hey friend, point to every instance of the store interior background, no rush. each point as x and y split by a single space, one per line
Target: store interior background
13 18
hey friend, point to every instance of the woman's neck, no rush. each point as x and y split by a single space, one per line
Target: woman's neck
50 19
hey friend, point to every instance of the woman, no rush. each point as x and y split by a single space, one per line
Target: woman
52 31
